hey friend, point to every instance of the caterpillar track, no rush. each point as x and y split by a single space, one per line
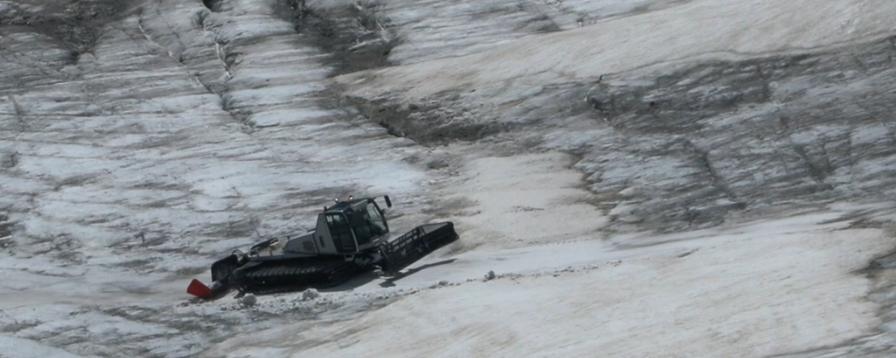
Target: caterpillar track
296 275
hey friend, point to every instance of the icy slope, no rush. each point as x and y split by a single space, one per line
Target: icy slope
139 142
683 117
755 290
127 168
677 124
708 29
148 143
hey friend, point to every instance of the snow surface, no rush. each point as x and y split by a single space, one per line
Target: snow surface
189 130
752 290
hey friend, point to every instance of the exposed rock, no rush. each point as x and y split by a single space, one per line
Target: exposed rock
248 300
310 294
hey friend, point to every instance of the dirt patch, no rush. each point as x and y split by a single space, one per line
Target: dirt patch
10 160
452 207
355 35
143 265
213 5
5 226
76 23
428 124
240 228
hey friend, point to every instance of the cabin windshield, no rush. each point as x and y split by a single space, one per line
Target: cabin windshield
368 222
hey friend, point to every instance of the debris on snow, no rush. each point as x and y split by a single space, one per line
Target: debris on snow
248 300
310 294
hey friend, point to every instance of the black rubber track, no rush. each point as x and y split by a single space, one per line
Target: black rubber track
294 275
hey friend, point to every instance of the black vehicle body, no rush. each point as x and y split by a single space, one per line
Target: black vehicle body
350 237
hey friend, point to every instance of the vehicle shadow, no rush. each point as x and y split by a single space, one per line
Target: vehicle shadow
390 282
355 282
360 280
369 276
